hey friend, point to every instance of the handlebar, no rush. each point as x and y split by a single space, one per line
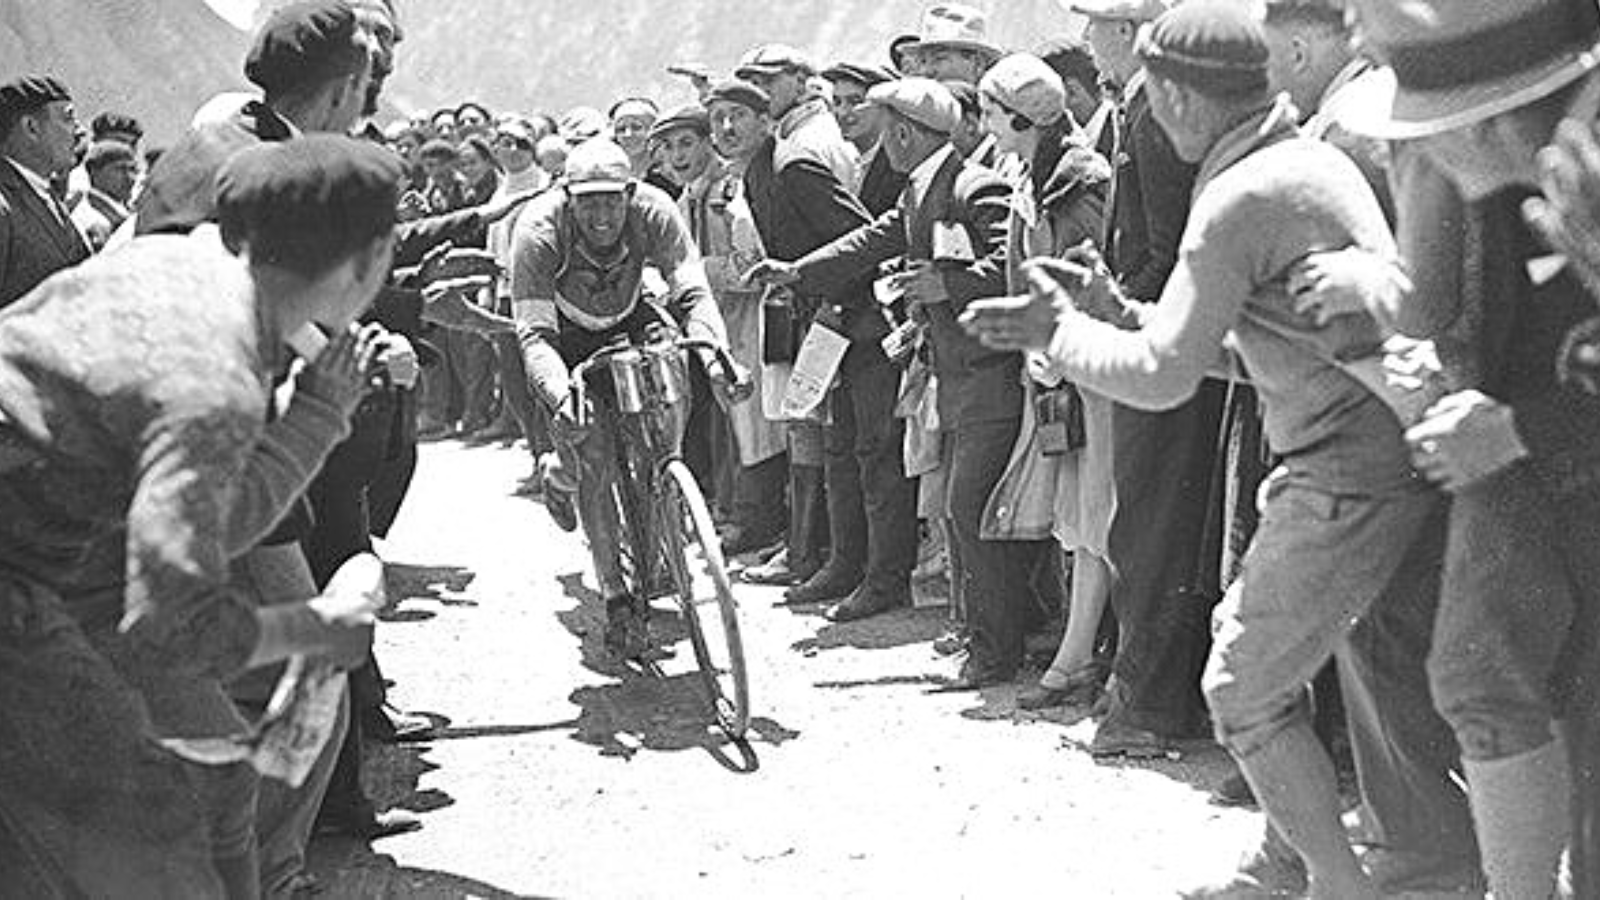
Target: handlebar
722 358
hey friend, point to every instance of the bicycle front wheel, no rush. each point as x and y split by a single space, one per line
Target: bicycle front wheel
705 595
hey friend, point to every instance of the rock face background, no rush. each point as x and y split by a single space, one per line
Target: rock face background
159 59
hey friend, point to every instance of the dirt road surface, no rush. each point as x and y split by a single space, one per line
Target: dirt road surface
555 774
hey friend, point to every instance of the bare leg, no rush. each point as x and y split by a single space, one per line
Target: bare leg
1091 586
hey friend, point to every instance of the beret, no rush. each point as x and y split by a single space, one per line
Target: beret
306 43
773 59
309 200
598 165
1214 46
1026 85
438 149
30 93
922 100
692 116
103 153
867 76
1130 10
109 123
739 91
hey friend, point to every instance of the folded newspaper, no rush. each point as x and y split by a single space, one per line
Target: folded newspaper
286 742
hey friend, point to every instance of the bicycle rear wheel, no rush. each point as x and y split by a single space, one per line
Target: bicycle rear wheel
694 556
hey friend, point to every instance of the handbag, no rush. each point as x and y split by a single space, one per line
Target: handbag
1022 505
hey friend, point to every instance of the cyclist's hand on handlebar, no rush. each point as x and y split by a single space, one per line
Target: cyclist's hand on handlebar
566 422
774 271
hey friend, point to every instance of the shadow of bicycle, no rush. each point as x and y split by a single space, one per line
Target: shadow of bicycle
659 706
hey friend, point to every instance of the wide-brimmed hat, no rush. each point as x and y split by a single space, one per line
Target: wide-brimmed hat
953 25
1453 63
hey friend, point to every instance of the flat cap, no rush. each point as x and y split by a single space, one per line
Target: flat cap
581 123
736 90
1214 46
306 43
115 124
1027 86
1130 10
922 100
438 149
773 59
691 116
1331 11
29 94
866 76
307 203
103 153
598 165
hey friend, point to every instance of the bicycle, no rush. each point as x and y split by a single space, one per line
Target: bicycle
662 512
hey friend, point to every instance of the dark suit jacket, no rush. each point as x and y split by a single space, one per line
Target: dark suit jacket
881 186
1149 205
976 384
801 208
34 244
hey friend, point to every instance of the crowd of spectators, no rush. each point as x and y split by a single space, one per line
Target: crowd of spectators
1229 373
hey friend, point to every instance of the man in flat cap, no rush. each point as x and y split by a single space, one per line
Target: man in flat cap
113 171
39 140
874 181
135 395
1164 543
949 227
576 283
791 208
804 127
1475 90
752 469
1348 529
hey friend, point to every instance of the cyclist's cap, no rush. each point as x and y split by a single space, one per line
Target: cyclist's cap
692 117
773 59
741 92
597 166
922 100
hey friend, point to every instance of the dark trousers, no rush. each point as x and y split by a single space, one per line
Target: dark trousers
758 504
461 385
1166 546
1404 751
872 505
999 592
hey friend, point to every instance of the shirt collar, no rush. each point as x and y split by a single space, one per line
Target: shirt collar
1134 85
803 112
921 178
39 183
1261 128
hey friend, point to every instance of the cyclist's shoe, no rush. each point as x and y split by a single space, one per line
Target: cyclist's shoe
627 628
561 509
558 500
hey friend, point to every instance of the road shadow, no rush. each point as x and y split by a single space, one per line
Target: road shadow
660 706
408 581
347 868
896 628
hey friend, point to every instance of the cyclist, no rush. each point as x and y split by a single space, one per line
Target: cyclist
582 256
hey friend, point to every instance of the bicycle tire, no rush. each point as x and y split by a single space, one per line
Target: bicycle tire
684 528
